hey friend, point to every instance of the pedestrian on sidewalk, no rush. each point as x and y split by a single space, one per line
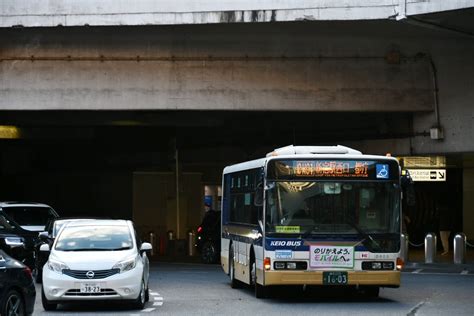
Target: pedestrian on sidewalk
445 224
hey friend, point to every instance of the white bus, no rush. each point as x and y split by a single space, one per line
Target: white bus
312 215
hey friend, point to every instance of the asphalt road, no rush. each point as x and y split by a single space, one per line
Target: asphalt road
196 289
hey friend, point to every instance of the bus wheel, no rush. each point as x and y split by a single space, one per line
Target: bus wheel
260 291
234 283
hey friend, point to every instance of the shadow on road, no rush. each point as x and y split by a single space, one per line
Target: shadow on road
315 294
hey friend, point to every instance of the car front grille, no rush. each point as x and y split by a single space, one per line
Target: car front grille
83 274
103 292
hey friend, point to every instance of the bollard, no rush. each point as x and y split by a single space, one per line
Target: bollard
152 242
190 243
430 247
459 248
404 247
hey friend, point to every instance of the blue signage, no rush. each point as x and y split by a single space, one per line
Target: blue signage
381 171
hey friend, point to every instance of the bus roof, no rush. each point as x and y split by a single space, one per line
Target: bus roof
304 152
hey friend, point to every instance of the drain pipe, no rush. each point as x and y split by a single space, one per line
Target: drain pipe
434 74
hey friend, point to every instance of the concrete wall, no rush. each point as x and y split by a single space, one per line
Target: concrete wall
154 202
148 12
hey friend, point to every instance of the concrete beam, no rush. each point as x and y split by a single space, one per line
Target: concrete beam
333 84
35 13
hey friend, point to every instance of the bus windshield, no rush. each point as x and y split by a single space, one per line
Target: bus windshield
328 208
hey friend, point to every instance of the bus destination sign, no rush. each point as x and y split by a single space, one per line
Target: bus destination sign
333 169
336 168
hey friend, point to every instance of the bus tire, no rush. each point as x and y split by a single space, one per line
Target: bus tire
234 283
260 291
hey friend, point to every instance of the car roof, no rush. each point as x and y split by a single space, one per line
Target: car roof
29 204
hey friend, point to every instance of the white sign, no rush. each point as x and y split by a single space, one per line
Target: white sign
428 174
331 256
283 254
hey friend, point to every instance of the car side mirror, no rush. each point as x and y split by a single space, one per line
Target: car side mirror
45 247
43 236
13 242
146 246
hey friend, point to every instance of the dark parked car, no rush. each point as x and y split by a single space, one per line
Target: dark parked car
30 216
208 237
17 242
17 289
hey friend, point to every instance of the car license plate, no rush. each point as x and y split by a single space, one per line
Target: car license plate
335 278
90 288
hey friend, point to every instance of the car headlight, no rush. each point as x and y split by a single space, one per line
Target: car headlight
57 266
126 265
14 241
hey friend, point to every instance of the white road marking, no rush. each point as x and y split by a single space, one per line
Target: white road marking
464 272
157 303
417 271
154 294
147 310
158 298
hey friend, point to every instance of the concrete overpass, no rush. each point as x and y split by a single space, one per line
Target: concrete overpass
147 12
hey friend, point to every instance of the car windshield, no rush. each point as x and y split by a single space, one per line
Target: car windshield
94 238
57 227
329 208
29 215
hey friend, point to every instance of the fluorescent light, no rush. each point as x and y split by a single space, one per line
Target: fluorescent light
9 132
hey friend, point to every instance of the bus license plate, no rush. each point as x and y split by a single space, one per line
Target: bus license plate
335 278
90 288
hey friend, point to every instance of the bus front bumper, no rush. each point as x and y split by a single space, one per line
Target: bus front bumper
374 278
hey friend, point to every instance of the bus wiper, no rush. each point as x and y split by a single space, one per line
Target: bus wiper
365 235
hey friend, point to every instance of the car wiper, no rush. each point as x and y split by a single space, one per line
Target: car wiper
122 248
94 249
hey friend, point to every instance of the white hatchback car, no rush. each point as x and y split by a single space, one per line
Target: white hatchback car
96 260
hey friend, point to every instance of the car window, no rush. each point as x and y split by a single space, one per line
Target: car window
94 238
5 225
29 216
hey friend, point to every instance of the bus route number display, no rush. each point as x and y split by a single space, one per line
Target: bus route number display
328 168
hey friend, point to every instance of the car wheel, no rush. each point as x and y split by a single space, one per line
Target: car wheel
141 299
38 274
147 294
47 305
234 283
208 252
13 304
